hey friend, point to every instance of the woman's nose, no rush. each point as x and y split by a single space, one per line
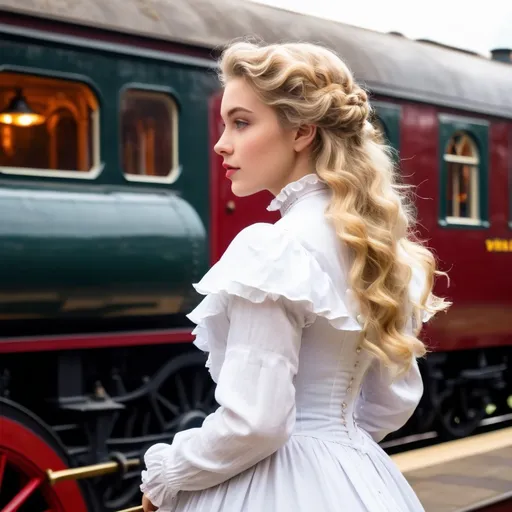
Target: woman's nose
223 147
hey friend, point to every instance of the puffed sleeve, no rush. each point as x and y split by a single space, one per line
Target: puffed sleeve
384 404
256 395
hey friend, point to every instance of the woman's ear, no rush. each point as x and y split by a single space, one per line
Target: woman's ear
304 137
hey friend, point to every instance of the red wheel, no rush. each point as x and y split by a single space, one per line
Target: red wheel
27 450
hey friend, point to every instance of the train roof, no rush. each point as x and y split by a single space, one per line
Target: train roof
387 64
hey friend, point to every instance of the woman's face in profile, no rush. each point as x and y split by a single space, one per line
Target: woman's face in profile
258 151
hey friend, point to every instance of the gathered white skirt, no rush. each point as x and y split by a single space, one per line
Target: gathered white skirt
310 475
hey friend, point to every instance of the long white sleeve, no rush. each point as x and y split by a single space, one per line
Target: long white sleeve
256 395
385 405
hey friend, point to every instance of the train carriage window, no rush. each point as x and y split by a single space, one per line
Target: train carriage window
463 197
48 127
462 160
149 136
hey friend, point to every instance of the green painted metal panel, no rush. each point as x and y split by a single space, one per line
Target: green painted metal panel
479 131
97 253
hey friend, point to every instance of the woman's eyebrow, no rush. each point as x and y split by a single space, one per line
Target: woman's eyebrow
238 109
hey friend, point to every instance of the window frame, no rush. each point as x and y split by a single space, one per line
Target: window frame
478 131
98 166
170 94
389 115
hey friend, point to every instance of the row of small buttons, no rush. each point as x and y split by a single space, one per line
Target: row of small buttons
344 405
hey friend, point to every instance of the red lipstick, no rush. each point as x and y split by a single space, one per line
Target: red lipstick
230 170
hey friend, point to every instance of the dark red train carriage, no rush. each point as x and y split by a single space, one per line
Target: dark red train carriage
112 204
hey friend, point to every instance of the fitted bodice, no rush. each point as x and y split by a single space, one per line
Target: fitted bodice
331 371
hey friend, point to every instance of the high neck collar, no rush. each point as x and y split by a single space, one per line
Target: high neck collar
295 191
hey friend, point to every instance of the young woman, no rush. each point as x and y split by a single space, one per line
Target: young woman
311 323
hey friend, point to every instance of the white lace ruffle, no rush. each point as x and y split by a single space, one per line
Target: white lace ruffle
211 330
262 262
294 190
155 485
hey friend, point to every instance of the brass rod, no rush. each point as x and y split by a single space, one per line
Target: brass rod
87 471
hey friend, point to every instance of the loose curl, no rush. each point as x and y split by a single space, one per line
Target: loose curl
372 214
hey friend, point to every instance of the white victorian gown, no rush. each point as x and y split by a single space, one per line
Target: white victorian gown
302 407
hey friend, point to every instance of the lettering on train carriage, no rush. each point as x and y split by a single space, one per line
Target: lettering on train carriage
498 245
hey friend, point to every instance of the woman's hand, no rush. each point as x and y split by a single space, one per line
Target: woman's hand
147 506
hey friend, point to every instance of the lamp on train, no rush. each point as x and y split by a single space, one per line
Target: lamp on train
18 113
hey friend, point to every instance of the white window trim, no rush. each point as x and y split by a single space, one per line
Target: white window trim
93 173
456 159
171 178
464 220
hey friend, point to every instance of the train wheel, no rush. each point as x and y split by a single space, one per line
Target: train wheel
27 450
460 410
178 397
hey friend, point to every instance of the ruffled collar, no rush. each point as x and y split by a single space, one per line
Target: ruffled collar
294 191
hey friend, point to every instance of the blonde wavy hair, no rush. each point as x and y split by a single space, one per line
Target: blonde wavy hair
370 209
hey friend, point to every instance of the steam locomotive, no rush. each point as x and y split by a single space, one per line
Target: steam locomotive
112 204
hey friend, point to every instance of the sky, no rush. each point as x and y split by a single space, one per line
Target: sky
470 25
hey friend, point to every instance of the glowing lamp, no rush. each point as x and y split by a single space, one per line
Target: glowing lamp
18 113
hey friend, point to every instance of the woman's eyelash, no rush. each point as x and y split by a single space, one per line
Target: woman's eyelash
236 123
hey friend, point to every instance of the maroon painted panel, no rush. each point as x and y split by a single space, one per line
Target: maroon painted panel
480 281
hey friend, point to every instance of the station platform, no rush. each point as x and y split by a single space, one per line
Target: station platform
465 475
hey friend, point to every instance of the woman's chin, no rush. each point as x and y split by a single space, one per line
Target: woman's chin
240 189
